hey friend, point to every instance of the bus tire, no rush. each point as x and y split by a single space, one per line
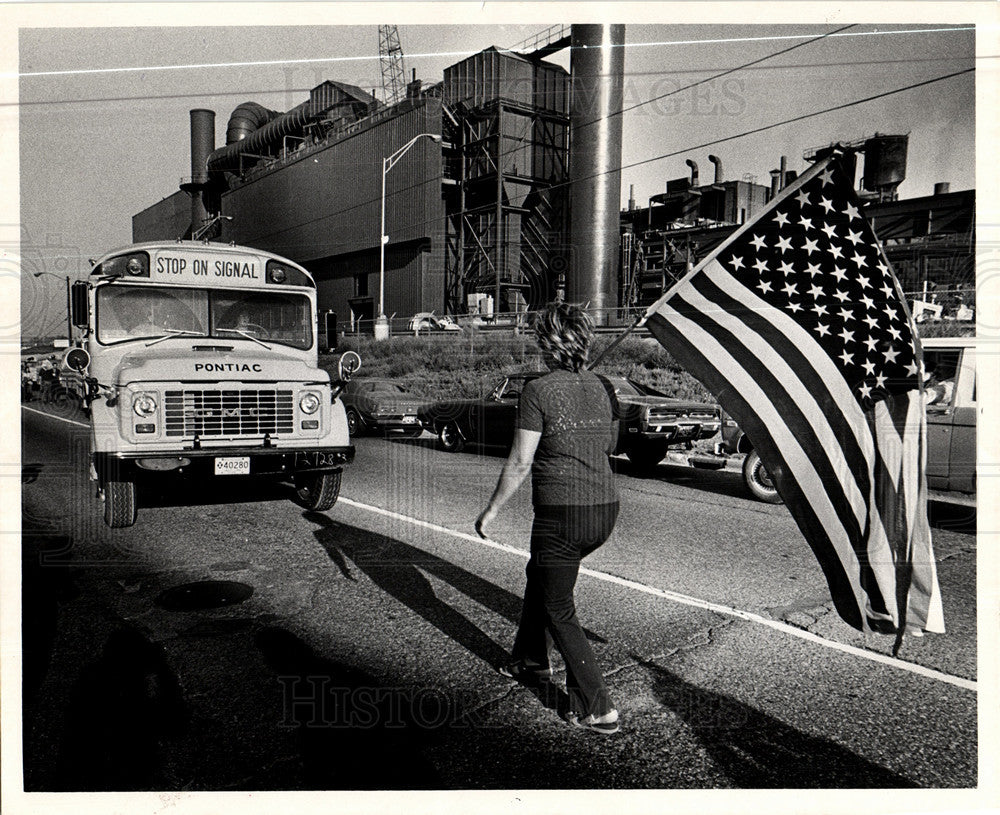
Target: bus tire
758 480
318 492
120 508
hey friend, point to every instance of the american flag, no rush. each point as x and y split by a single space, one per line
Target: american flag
798 325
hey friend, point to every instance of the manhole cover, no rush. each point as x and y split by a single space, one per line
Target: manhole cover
204 594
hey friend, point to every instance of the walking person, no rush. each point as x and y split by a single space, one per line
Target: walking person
565 432
47 378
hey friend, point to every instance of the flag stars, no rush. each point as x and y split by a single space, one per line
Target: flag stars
854 237
882 267
872 321
895 332
816 292
759 242
805 223
830 230
826 203
869 303
911 368
781 218
872 343
847 336
869 367
813 269
859 260
810 246
841 295
826 176
891 354
794 307
889 310
736 262
822 330
760 265
880 381
784 244
852 212
864 281
790 289
846 357
846 314
888 290
803 197
764 286
865 390
836 251
839 273
786 267
820 309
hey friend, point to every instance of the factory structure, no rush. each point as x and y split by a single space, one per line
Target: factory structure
497 190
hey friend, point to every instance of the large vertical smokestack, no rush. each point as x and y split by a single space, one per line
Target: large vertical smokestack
202 145
597 65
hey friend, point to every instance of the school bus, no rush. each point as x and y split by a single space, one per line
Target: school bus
200 359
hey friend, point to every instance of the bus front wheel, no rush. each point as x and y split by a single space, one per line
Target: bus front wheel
120 507
318 492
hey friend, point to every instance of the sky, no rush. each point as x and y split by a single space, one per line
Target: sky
97 146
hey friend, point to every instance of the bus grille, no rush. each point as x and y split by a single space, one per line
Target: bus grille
228 413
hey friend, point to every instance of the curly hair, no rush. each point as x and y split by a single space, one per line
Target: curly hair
565 331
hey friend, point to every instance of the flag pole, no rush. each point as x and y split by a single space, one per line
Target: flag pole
617 341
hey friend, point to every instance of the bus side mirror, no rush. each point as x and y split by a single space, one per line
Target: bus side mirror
348 365
80 306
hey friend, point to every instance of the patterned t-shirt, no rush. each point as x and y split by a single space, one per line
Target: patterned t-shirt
573 413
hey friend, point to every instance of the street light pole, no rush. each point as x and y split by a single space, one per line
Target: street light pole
382 322
69 309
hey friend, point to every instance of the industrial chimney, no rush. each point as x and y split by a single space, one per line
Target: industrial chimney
718 168
597 68
202 145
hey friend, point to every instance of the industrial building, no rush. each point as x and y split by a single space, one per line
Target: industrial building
476 214
498 189
930 241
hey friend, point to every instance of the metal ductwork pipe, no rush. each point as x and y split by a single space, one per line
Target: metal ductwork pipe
782 170
256 141
718 168
694 171
597 68
942 188
775 182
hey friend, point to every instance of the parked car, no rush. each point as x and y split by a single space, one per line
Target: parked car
950 363
379 405
649 421
429 321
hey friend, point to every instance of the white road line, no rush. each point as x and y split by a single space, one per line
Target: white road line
683 599
52 416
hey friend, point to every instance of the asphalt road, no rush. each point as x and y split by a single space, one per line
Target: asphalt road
231 640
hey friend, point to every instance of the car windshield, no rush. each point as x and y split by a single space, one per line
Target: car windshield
143 312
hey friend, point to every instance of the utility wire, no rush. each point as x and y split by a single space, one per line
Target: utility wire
689 149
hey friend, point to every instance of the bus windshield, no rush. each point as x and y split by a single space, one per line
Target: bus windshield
143 312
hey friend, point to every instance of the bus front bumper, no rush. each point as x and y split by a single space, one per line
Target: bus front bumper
269 461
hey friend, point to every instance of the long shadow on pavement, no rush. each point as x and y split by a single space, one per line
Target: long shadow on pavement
398 569
755 750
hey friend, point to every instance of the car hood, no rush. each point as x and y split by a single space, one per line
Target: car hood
680 405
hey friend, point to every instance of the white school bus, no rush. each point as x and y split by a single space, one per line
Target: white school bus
201 359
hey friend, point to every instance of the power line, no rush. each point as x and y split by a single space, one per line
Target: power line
672 154
374 58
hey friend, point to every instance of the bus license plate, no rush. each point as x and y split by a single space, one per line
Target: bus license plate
233 466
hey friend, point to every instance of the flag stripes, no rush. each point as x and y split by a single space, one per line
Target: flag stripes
787 386
797 325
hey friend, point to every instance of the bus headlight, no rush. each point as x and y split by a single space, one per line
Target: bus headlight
144 405
309 402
